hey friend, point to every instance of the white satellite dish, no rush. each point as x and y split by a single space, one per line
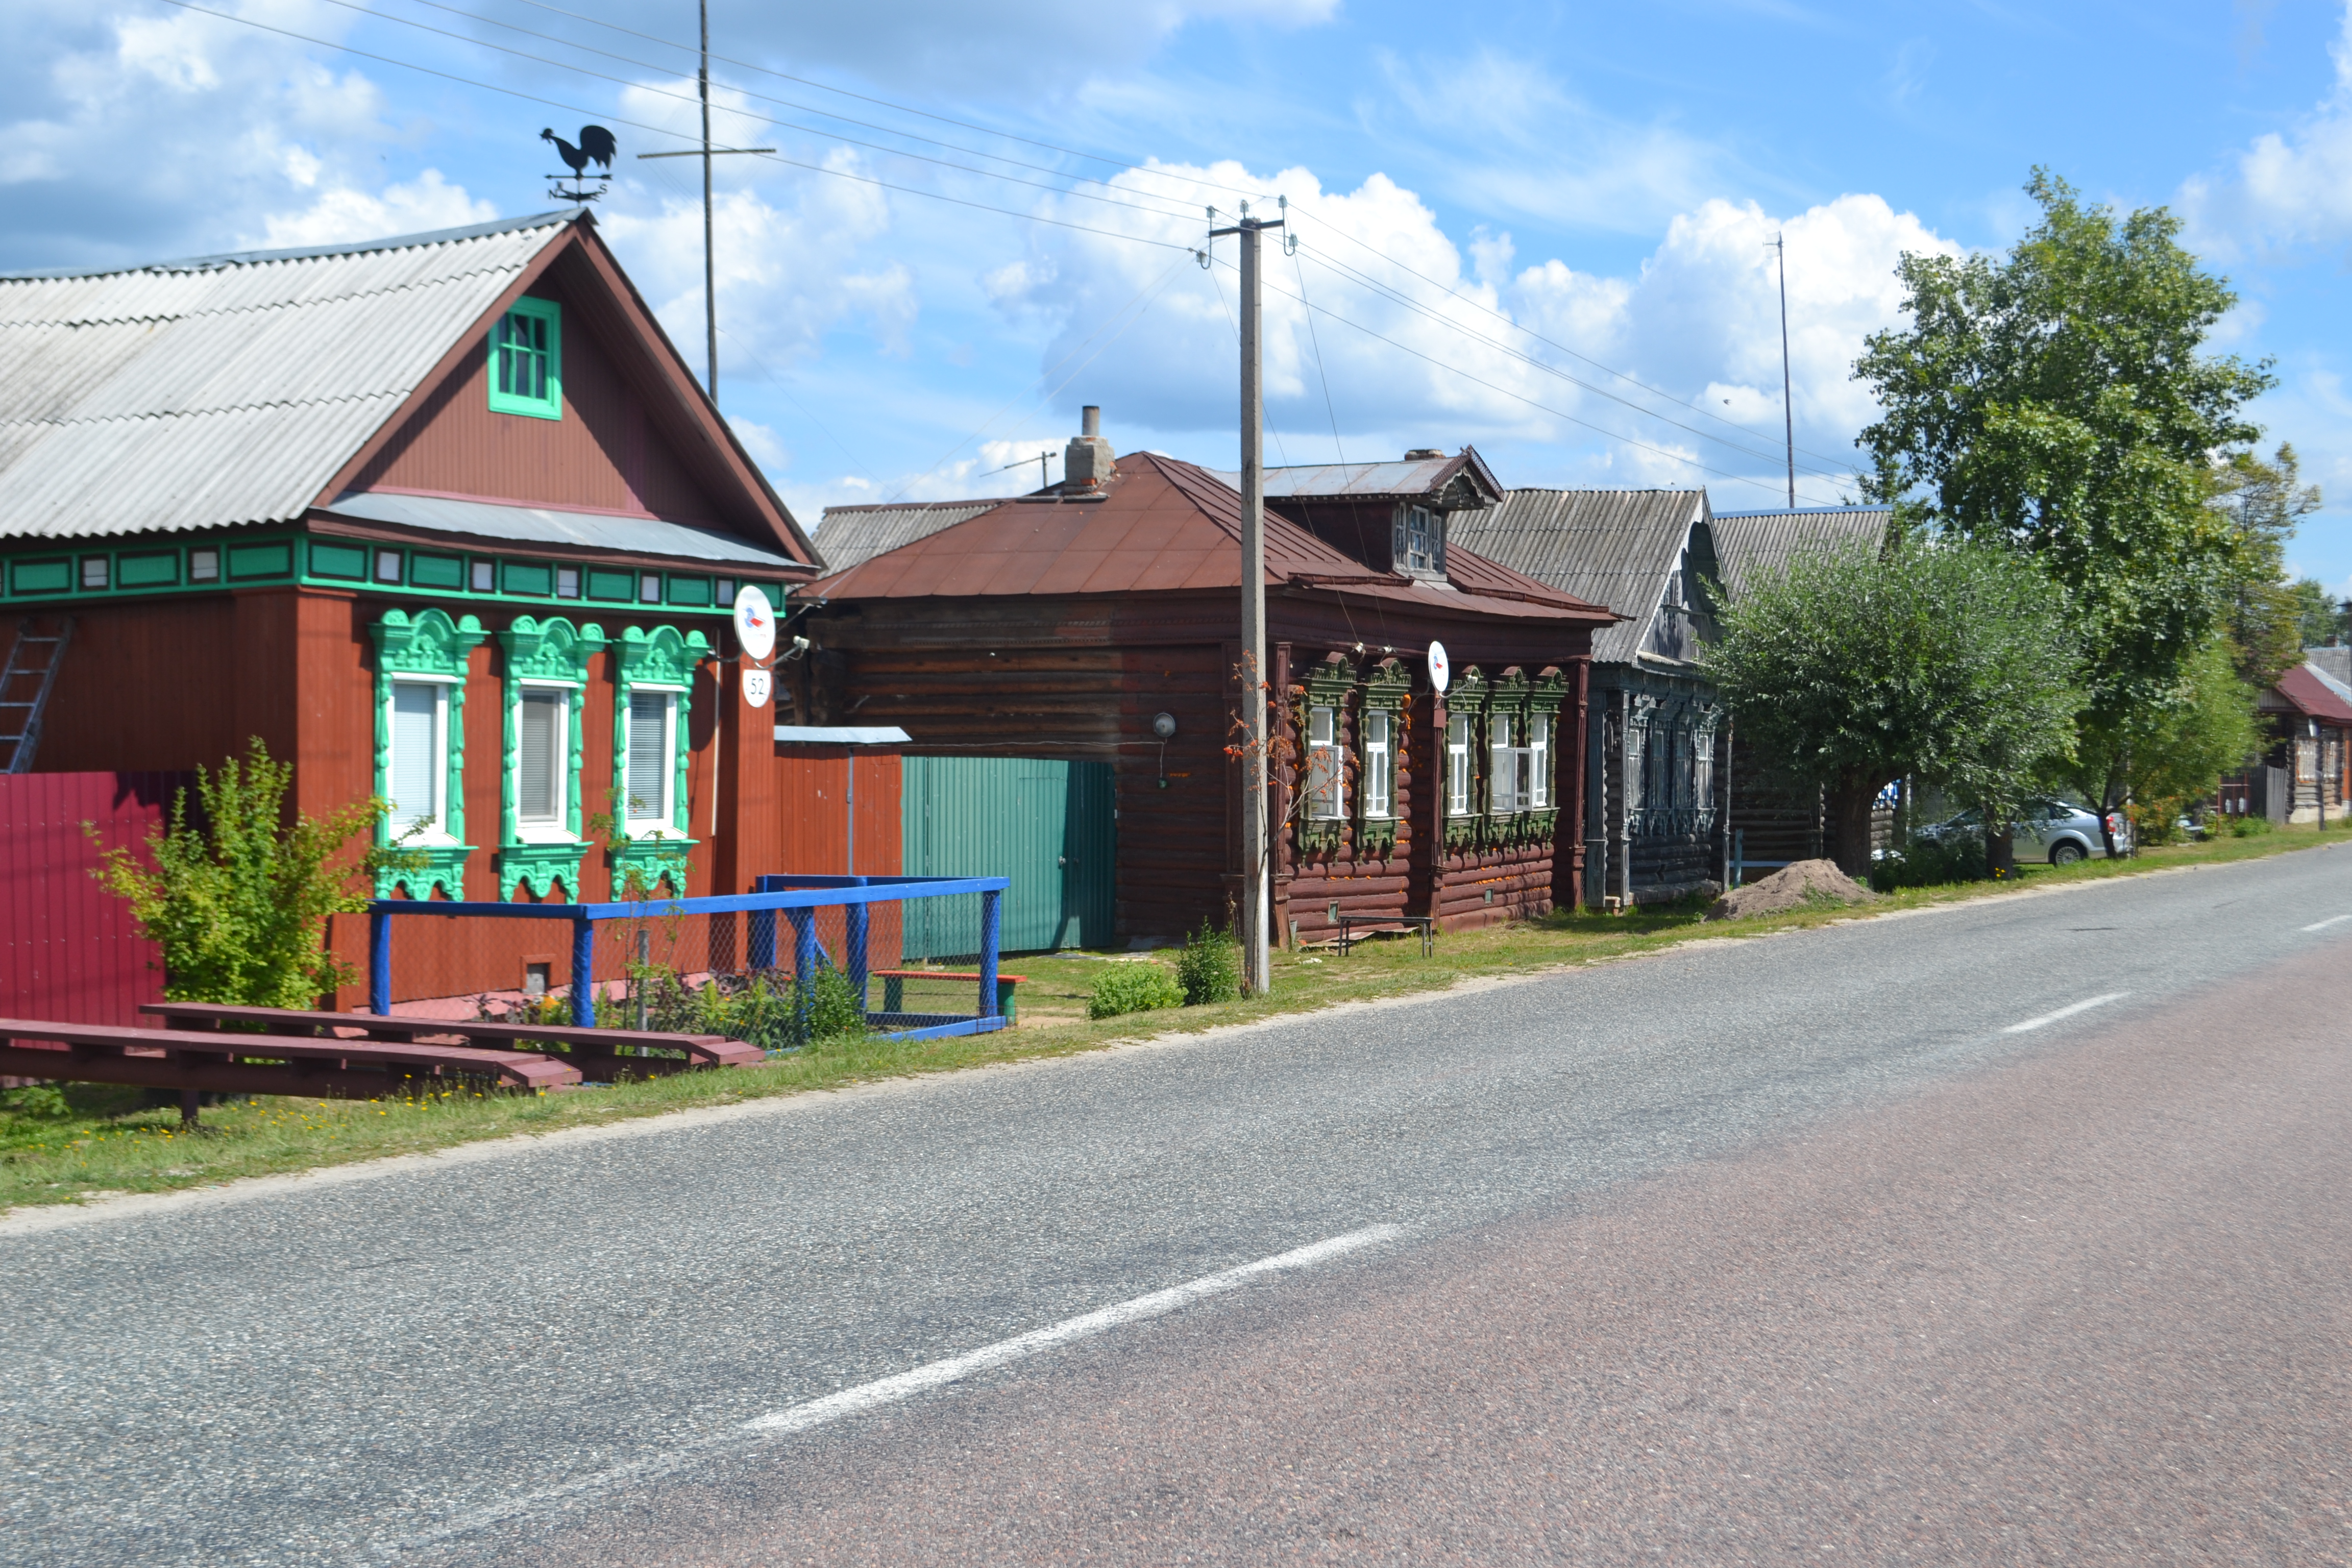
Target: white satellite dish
755 625
758 685
1441 672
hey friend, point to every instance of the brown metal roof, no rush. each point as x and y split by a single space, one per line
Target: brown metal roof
1162 525
2314 694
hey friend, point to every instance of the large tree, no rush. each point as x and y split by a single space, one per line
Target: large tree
1853 667
2059 401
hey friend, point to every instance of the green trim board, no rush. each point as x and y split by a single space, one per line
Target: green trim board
429 644
526 360
544 653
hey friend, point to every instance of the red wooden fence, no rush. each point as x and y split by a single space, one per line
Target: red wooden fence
68 949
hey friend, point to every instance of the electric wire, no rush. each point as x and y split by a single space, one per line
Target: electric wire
1316 339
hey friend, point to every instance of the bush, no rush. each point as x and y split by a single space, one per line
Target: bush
1133 988
2249 825
765 1009
1930 863
1209 967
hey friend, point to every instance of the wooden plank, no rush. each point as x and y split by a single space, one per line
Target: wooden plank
715 1049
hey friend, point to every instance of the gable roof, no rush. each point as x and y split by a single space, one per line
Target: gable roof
1459 482
852 535
1608 547
245 388
1162 525
1749 542
2315 694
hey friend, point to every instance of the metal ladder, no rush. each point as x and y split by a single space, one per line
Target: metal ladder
20 715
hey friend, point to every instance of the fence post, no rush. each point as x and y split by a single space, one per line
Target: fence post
853 944
584 971
379 962
988 923
761 954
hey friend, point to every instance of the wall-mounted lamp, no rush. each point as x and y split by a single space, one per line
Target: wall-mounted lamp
1164 726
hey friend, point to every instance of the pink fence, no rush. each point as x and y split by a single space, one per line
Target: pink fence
68 949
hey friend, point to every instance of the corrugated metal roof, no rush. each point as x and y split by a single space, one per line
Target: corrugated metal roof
225 389
1608 547
1747 541
2316 693
1367 481
1161 525
853 535
548 525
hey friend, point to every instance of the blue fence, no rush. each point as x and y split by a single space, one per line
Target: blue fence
796 898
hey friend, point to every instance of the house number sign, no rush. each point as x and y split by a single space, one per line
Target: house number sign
758 685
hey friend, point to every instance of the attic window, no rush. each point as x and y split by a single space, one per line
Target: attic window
1420 543
526 361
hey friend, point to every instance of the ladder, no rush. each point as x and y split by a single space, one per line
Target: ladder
25 682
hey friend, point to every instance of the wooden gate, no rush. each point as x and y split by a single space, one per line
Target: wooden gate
1050 827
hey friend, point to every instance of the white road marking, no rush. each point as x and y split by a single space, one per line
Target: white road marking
2065 1012
906 1385
2333 920
889 1390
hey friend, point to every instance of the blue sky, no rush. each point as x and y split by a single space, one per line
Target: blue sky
1539 228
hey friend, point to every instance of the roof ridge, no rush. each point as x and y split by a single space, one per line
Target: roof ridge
313 252
257 308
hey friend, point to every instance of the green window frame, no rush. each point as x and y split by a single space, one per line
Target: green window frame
526 360
1322 721
664 661
544 656
1387 692
432 647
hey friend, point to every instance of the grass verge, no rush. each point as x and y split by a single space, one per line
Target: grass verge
87 1140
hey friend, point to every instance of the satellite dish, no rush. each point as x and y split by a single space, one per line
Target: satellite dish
755 625
758 685
1441 672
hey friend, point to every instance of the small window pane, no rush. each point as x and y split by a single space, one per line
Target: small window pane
649 754
541 794
1377 763
649 589
567 581
1322 764
1457 764
204 565
416 780
486 576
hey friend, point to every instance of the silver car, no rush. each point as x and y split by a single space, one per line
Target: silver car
2055 830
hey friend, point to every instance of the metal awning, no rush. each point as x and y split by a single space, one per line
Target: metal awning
841 735
548 525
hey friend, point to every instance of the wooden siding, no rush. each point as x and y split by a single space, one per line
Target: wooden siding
604 455
69 949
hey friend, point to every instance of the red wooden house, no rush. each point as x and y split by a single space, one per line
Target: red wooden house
443 518
1082 622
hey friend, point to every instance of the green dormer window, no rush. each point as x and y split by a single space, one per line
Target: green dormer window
526 361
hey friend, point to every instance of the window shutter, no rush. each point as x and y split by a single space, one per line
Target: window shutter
415 794
542 726
648 713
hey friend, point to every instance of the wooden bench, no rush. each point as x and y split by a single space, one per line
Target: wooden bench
595 1052
1425 925
894 987
192 1063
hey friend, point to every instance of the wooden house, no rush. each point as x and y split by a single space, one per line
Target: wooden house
1098 623
2309 714
441 519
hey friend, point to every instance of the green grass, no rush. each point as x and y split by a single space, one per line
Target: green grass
85 1140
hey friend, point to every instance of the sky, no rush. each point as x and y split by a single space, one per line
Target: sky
1543 229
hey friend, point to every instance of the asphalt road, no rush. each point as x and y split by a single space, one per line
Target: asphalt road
1799 1249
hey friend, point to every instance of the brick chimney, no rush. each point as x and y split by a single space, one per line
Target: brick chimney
1086 461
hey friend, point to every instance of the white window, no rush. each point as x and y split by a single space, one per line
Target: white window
1637 756
1538 794
1702 768
419 773
1379 764
541 766
1323 790
653 752
1457 765
1502 729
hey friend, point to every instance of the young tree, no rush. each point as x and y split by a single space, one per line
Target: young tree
2058 402
2163 756
1853 667
2269 620
238 901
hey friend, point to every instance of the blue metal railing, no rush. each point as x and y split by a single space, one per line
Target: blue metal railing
796 898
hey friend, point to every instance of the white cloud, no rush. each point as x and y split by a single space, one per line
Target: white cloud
346 213
2287 188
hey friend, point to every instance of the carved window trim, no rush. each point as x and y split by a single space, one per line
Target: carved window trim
543 655
1327 686
662 660
1386 690
428 647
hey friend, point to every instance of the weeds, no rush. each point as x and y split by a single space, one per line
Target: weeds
1134 988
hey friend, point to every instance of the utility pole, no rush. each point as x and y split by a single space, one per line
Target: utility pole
710 265
1788 405
1256 961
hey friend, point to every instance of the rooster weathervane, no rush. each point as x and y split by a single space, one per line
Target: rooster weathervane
596 146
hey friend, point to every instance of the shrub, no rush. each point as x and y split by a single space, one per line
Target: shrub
1930 863
1133 988
1209 967
2249 825
765 1009
238 901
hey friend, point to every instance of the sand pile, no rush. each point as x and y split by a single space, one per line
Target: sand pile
1791 887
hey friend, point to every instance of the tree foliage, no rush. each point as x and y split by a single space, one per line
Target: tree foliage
238 899
2058 401
1851 667
2165 755
2269 621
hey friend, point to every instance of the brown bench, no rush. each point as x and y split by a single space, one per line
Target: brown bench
192 1063
596 1052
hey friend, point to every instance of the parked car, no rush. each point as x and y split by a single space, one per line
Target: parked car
2057 830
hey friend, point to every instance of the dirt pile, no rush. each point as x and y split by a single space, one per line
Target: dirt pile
1791 887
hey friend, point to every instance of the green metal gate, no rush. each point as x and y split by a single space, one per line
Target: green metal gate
1050 826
